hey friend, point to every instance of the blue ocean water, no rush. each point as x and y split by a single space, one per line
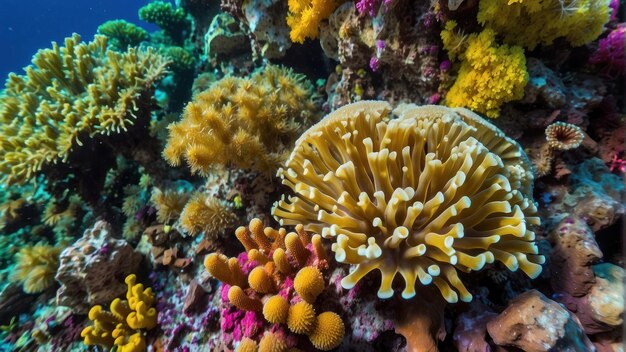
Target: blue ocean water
28 25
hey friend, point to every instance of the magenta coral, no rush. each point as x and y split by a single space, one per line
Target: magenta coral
370 7
610 52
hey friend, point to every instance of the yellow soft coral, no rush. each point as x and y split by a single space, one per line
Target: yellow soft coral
68 95
36 267
305 16
539 22
123 325
245 123
422 195
169 204
206 214
490 74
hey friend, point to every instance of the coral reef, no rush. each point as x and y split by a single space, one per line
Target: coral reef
73 101
251 123
398 50
123 324
463 192
90 269
395 196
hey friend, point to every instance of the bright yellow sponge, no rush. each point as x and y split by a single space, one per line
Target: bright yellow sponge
328 332
309 283
123 325
490 75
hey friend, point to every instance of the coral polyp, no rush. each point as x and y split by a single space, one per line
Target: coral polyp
433 191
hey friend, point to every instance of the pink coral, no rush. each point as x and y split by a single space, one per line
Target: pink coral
610 52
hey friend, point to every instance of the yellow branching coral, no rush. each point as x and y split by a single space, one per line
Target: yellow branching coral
123 325
265 290
423 195
207 214
70 94
36 267
539 22
305 16
169 204
240 122
490 74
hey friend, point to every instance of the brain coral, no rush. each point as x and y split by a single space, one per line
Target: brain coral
243 122
431 192
67 96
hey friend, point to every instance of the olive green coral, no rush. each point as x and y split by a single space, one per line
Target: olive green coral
431 192
172 20
68 95
243 122
122 34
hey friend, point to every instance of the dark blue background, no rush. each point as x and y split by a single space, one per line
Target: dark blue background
28 25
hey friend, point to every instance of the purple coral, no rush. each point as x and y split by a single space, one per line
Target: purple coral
370 6
610 51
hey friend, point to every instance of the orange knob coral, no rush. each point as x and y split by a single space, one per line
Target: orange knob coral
309 283
276 310
328 332
301 318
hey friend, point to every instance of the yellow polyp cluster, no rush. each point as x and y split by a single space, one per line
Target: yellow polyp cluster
539 22
204 213
328 332
309 283
243 122
305 16
272 342
433 191
301 318
490 74
247 345
123 326
278 256
70 94
36 266
276 309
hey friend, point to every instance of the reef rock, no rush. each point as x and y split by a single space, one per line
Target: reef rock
224 38
92 270
575 250
534 323
470 334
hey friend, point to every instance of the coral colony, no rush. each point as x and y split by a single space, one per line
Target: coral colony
310 175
